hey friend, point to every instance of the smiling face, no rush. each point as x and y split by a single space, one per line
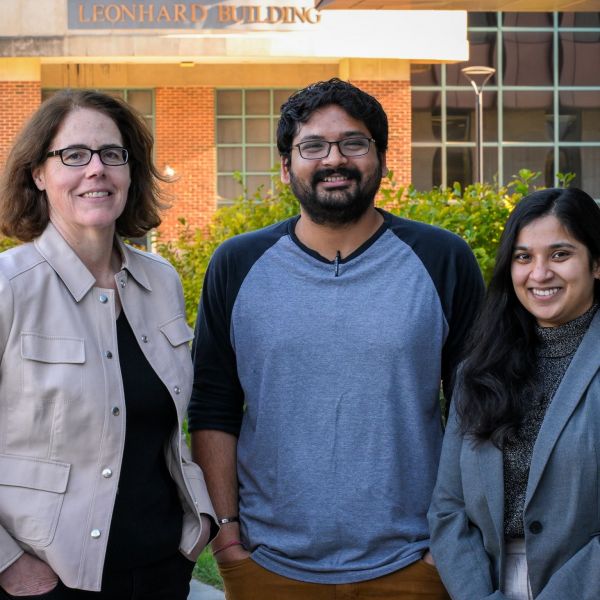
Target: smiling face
551 272
90 197
337 189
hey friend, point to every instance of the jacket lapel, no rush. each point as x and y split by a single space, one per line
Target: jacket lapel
571 390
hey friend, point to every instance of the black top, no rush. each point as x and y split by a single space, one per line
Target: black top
147 518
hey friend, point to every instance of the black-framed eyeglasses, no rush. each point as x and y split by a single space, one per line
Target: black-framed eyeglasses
112 156
350 147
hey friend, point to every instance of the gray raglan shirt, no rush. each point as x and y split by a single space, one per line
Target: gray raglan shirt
330 376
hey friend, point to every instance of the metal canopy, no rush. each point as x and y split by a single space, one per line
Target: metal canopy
470 5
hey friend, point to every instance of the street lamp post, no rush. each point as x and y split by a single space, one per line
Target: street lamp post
478 77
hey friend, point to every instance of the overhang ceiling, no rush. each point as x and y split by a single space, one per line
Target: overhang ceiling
470 5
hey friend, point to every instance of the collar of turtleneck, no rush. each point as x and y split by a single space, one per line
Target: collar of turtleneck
564 339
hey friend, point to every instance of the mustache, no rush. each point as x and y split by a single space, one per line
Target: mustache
349 173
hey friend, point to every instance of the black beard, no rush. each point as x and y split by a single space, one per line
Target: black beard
340 207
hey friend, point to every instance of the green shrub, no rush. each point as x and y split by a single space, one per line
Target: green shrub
6 243
477 213
190 252
206 570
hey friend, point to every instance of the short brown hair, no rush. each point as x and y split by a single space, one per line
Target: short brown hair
24 212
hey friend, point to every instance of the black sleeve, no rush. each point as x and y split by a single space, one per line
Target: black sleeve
217 400
462 304
217 397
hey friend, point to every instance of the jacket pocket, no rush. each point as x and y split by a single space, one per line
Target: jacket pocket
177 331
31 497
177 335
52 366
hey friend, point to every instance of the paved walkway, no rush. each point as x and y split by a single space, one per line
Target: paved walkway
201 591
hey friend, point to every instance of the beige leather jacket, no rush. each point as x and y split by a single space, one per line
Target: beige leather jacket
62 409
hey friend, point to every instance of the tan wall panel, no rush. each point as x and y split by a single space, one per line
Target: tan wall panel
20 69
215 75
474 5
375 69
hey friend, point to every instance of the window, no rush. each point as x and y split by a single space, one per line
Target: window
245 132
141 100
541 108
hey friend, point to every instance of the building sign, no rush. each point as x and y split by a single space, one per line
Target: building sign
240 15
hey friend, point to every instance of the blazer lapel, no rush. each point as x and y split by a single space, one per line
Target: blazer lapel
491 469
583 367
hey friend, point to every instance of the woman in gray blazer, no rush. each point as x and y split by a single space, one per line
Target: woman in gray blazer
516 509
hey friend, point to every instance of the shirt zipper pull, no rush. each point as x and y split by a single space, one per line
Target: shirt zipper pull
336 263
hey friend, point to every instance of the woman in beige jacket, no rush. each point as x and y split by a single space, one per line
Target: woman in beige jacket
98 496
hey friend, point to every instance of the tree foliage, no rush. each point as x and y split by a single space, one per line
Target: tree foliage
190 252
477 213
6 243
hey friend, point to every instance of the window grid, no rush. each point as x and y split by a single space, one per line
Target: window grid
124 93
244 144
499 147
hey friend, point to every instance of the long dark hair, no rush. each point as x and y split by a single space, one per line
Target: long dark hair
499 371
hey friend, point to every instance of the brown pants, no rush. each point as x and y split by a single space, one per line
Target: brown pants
246 580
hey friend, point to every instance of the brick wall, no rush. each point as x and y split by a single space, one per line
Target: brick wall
185 141
19 100
395 99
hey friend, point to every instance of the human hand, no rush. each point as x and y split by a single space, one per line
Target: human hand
231 554
28 576
227 547
428 558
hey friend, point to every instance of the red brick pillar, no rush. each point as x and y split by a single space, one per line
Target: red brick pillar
19 100
185 142
395 99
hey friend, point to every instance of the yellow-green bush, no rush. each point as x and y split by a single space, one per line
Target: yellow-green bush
191 250
6 243
477 213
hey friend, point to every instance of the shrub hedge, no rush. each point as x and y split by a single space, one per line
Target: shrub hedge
477 213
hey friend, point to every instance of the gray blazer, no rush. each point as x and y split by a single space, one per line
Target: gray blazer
562 504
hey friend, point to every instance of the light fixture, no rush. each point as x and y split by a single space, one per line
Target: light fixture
478 77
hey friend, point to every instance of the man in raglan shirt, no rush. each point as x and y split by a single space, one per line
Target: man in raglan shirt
320 345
